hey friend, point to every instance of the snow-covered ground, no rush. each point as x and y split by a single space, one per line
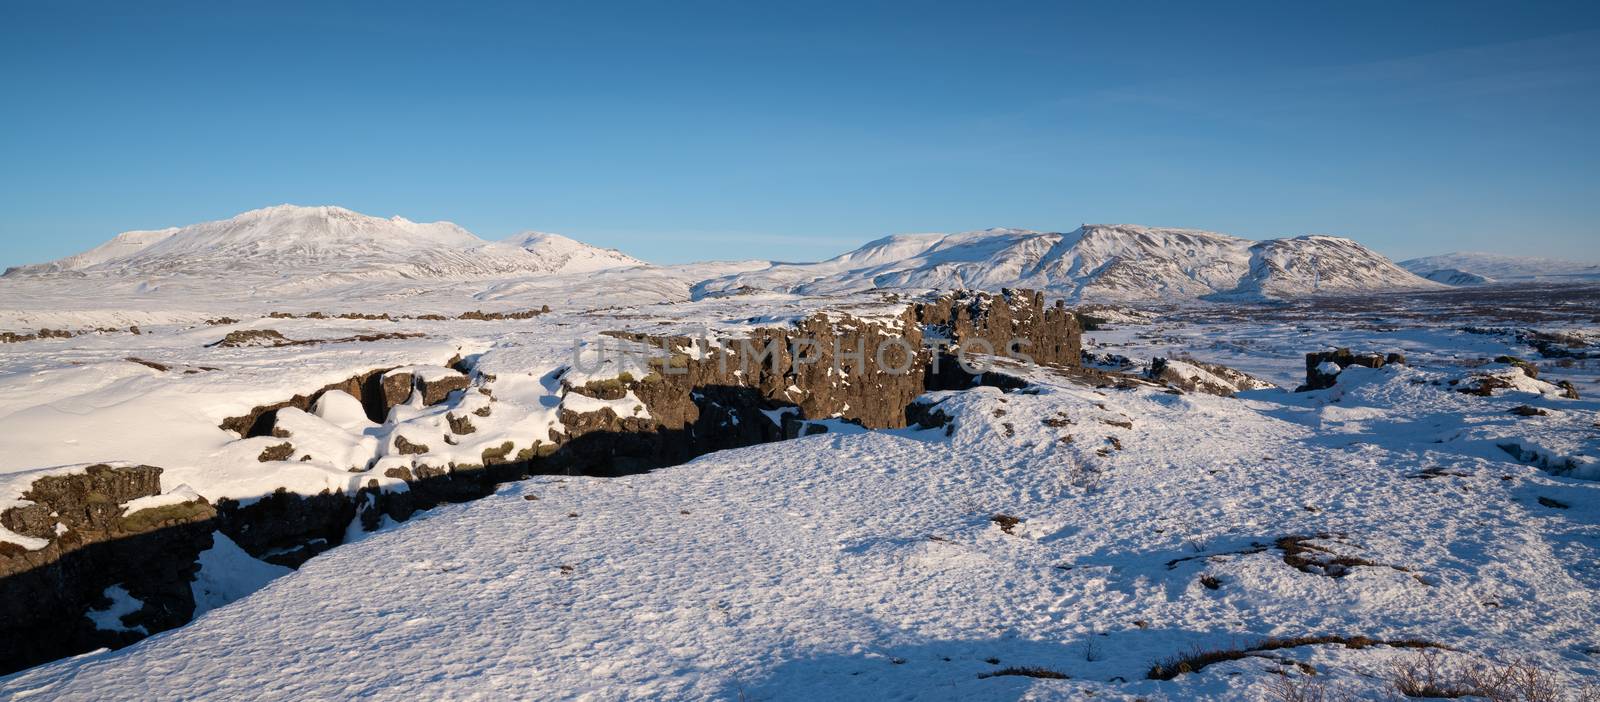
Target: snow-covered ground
855 564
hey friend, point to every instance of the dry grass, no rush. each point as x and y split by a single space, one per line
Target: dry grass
277 452
1307 557
1287 688
1026 671
1198 659
149 519
1428 675
1006 522
151 364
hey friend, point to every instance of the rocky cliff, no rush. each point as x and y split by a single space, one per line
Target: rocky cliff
98 547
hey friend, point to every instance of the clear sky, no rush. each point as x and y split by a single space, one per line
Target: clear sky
686 130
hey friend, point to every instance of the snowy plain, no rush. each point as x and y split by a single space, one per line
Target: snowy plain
1089 531
866 566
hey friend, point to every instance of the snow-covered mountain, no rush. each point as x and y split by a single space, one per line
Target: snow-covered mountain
569 255
324 242
1115 262
1500 267
1320 264
291 249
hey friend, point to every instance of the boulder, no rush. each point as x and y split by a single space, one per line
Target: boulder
1190 375
1323 367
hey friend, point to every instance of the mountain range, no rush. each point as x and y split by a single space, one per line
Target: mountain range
308 247
1100 261
1467 268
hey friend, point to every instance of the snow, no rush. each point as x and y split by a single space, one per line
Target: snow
227 574
342 410
1500 267
1094 262
629 405
568 256
845 566
122 604
1456 276
321 247
120 246
854 564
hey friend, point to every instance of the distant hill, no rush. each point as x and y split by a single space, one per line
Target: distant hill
291 241
569 255
1500 268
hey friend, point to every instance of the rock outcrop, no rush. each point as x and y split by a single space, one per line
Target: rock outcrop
1323 367
1190 375
94 544
1015 323
763 387
1514 375
435 384
368 387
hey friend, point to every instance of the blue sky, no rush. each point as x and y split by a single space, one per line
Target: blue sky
687 130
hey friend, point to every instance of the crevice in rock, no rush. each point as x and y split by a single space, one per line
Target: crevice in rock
696 405
366 387
93 545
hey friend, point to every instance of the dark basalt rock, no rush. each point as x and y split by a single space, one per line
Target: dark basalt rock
1547 344
438 390
1344 358
461 424
13 337
366 387
694 405
397 387
1051 335
46 593
404 447
723 398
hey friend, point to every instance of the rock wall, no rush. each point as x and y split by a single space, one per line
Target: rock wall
1014 323
47 594
758 389
379 390
865 371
